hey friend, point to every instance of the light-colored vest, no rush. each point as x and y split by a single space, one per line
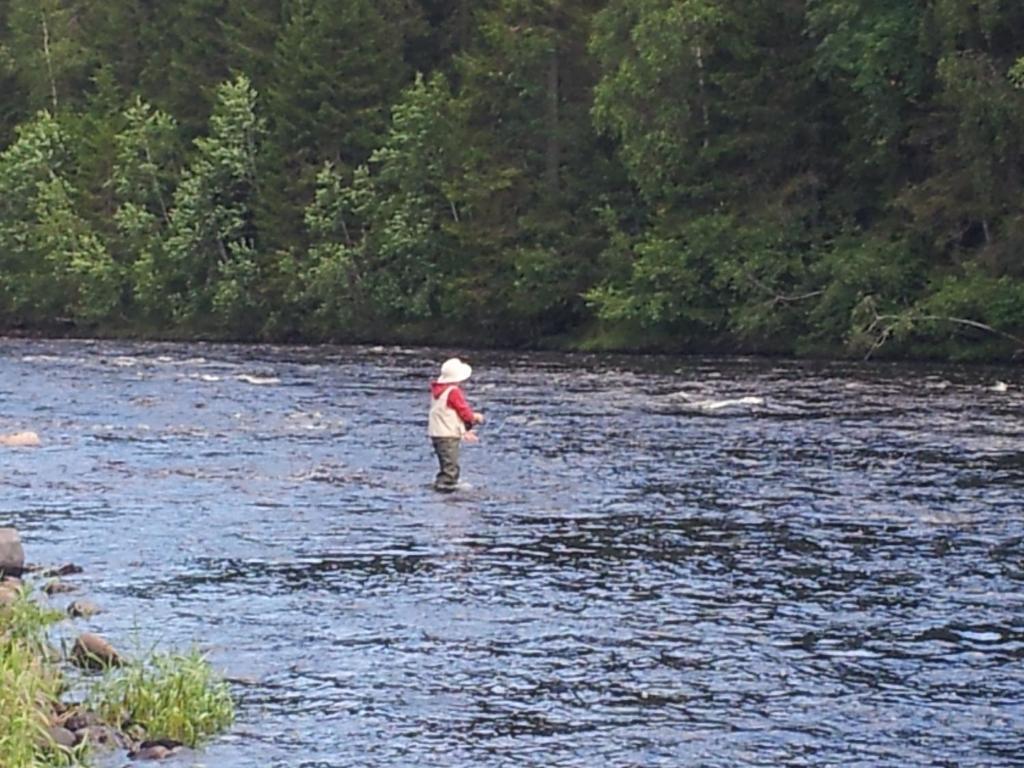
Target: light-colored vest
444 421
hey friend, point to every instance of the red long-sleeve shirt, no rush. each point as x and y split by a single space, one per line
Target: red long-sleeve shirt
456 401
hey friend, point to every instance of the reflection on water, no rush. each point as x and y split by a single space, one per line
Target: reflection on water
661 561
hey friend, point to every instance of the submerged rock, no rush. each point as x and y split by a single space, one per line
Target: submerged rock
93 651
57 587
68 569
83 609
12 556
21 439
155 750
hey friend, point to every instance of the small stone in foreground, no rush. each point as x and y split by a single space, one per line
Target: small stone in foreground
93 651
61 736
100 736
79 719
12 556
8 594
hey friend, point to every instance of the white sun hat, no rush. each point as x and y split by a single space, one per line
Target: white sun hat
453 371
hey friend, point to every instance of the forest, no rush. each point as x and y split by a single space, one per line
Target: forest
785 177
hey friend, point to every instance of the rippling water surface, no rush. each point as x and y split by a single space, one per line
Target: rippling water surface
827 572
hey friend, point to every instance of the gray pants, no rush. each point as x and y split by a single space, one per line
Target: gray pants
447 450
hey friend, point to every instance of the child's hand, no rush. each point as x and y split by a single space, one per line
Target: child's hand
478 418
470 437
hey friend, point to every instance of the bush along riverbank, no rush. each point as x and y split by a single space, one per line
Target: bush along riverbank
60 707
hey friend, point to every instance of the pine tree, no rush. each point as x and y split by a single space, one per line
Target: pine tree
382 246
50 58
336 70
531 176
186 60
210 264
251 29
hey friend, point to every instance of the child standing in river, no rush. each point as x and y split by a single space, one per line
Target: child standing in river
450 421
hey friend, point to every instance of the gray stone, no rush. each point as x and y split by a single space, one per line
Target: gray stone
93 651
100 736
61 736
8 594
81 719
155 750
12 556
57 587
68 569
83 609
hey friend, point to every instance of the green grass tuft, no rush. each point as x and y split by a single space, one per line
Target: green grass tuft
30 687
171 696
167 696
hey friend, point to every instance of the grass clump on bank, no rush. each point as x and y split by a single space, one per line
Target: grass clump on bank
170 696
175 697
30 687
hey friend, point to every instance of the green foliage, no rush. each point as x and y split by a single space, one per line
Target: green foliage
871 49
52 263
144 175
208 267
861 278
29 687
1016 73
50 55
654 95
989 128
959 305
171 696
672 279
380 242
184 57
336 69
809 177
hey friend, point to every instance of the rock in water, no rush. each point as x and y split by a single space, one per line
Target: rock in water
82 609
159 749
12 556
28 439
93 651
57 587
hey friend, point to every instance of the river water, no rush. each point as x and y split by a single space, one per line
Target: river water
826 571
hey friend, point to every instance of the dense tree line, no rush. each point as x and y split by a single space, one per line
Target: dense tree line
790 176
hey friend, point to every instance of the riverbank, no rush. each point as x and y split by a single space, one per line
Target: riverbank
58 706
976 347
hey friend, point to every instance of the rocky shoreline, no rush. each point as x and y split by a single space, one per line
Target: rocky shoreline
68 729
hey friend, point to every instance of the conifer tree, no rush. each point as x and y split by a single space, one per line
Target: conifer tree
48 52
336 69
210 265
